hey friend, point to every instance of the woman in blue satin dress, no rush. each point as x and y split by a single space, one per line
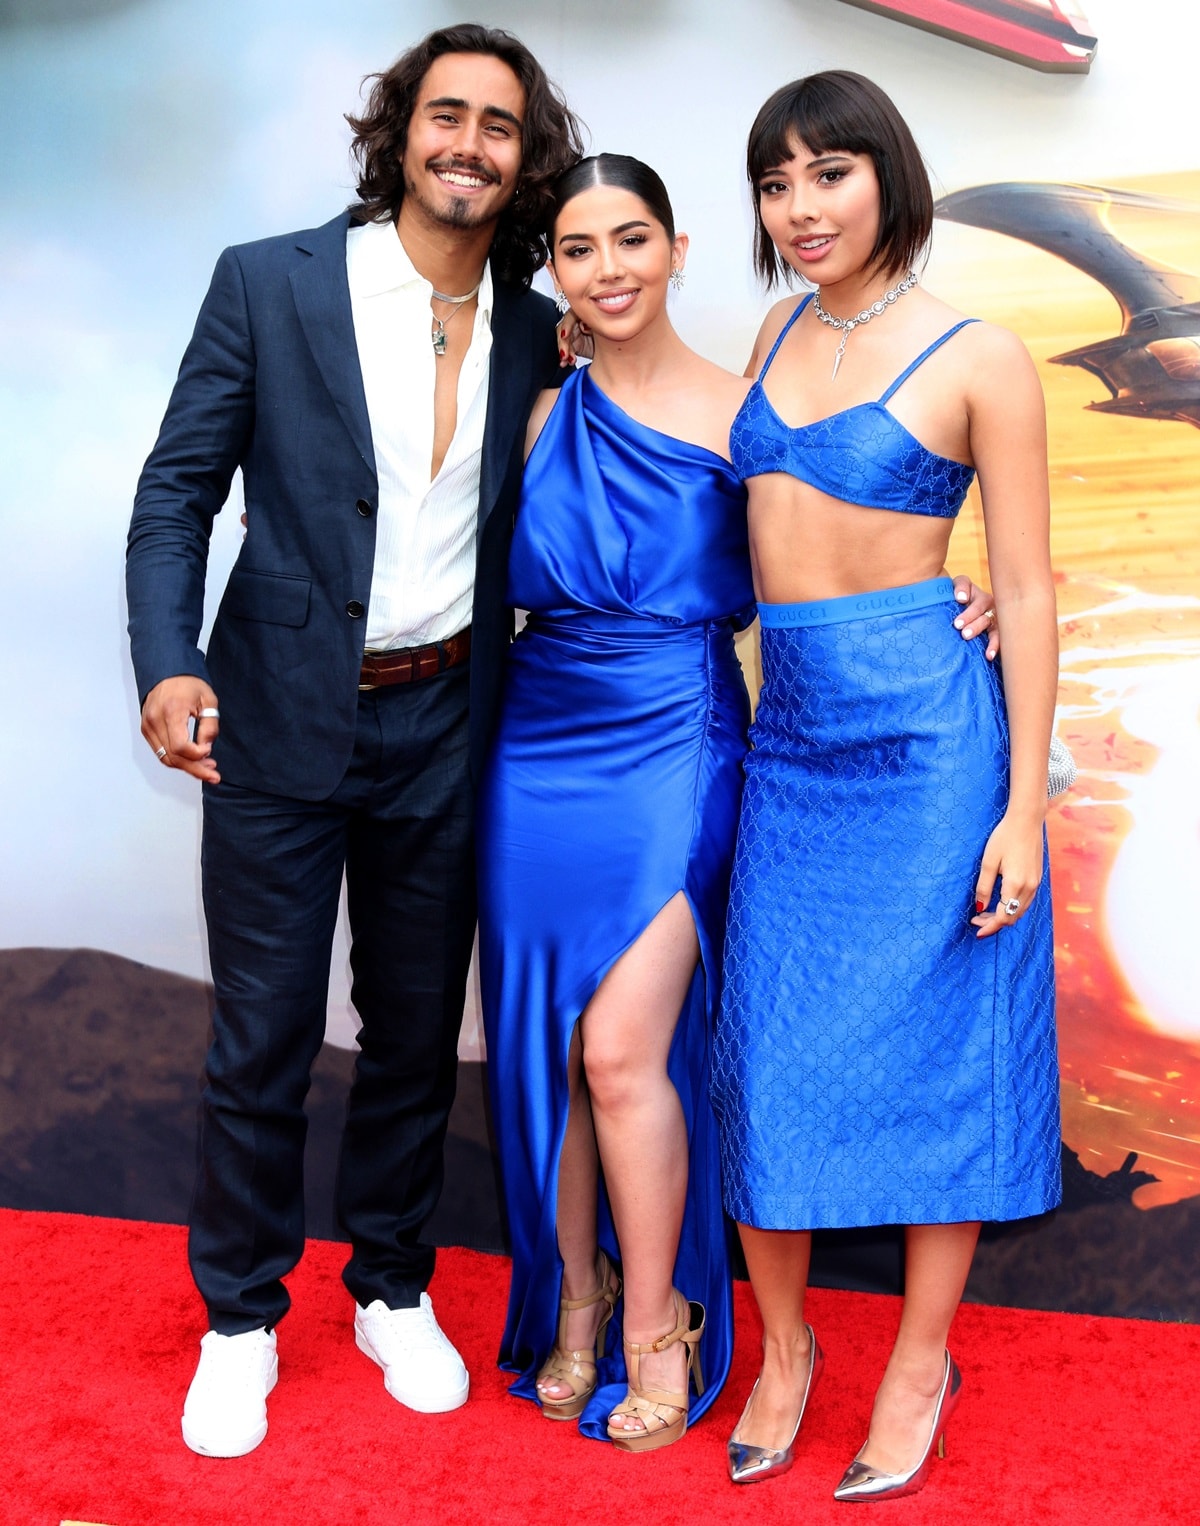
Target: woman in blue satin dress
885 1052
607 821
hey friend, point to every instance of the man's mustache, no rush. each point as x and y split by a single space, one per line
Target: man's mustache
459 167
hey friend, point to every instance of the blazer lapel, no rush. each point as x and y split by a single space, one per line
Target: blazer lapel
508 393
322 296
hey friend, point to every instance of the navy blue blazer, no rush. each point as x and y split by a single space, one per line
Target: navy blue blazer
270 383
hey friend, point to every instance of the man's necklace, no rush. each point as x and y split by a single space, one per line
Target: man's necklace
846 325
439 325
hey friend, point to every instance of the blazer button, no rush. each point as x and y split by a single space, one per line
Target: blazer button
364 508
355 609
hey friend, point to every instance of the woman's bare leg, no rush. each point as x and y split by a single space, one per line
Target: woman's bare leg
937 1260
777 1260
578 1188
627 1031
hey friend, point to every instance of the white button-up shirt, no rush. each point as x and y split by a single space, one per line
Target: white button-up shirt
422 587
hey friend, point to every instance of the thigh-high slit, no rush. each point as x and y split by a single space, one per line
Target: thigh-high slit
613 786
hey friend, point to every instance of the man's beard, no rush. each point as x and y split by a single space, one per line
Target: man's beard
459 214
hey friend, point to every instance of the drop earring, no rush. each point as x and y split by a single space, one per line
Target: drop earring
562 302
676 278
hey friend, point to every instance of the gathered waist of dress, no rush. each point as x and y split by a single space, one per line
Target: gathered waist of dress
858 606
604 622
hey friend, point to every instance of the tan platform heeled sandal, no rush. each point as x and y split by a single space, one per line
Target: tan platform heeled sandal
664 1414
577 1369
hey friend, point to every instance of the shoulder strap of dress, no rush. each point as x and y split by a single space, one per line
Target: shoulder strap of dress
924 355
783 332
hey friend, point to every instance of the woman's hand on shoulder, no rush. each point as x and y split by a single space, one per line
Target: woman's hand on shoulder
541 411
575 341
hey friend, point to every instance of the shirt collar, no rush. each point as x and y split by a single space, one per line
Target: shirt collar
380 263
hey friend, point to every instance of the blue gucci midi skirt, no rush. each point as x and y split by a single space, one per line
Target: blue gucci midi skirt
874 1061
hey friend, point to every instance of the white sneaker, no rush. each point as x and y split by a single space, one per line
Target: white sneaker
225 1412
420 1367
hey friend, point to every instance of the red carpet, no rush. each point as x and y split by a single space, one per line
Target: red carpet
1063 1419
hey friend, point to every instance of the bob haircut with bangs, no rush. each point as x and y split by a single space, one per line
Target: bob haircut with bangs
840 110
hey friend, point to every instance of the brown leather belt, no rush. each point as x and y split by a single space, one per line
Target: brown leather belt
409 664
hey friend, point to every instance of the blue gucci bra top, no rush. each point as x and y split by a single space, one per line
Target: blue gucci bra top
861 455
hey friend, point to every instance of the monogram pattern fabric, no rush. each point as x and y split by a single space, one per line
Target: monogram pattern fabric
874 1061
862 455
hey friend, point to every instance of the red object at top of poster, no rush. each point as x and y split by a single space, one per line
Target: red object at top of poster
1053 35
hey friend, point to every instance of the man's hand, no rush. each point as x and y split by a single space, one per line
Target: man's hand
169 708
978 616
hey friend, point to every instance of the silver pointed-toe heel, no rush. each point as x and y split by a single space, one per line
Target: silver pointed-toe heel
748 1464
862 1482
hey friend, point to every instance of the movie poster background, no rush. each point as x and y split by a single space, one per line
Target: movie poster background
141 136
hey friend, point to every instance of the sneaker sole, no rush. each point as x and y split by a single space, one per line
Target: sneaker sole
236 1446
423 1403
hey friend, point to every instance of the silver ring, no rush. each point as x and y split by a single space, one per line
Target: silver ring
1012 907
209 713
160 753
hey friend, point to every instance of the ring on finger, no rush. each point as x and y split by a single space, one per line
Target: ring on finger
1012 906
210 713
160 753
988 614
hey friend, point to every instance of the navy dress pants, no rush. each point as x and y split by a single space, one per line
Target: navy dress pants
400 826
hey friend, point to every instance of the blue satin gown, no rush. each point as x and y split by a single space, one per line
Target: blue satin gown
613 784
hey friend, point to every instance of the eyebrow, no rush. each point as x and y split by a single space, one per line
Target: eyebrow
834 158
460 105
565 238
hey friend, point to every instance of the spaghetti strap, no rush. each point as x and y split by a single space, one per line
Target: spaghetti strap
923 356
783 333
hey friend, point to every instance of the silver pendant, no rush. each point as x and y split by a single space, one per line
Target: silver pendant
845 325
840 351
439 336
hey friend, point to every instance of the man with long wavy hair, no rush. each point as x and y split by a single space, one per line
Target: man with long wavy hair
372 380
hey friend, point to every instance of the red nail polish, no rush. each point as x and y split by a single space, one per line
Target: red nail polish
978 907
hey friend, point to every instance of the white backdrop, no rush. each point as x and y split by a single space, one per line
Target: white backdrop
141 139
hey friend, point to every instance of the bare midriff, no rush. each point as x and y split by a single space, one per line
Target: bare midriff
805 545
